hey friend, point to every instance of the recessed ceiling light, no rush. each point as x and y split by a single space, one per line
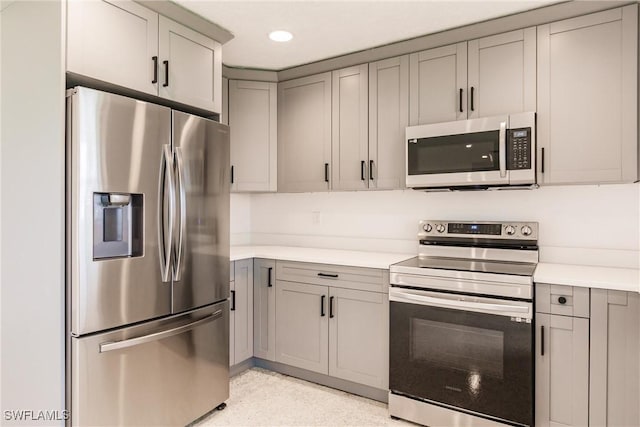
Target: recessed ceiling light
280 36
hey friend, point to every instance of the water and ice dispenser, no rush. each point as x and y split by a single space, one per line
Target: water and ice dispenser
117 225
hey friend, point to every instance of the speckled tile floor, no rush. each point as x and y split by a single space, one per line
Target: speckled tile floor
259 397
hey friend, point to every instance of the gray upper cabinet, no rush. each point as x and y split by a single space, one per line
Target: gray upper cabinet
304 134
114 42
388 118
350 145
502 74
254 136
357 352
437 85
191 66
614 397
264 309
241 308
124 43
587 98
562 355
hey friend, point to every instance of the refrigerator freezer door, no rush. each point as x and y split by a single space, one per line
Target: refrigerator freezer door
201 264
166 372
115 150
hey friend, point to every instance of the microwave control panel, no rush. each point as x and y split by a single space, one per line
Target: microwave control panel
519 149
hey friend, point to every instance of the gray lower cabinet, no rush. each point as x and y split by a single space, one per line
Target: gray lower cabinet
614 397
562 356
302 328
587 120
264 306
241 313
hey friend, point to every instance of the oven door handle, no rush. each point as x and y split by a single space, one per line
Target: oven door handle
399 296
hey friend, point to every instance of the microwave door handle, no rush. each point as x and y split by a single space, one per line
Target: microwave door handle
502 149
456 304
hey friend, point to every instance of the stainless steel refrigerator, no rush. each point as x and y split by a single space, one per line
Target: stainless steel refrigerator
147 262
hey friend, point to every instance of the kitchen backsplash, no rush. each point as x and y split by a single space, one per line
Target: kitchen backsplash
592 225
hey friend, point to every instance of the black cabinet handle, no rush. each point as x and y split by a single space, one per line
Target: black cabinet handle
330 307
326 172
232 177
322 305
155 69
371 170
472 90
269 284
542 161
461 100
334 276
233 300
542 340
362 172
562 300
166 73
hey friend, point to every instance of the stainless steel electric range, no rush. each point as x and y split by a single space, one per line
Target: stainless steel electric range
461 325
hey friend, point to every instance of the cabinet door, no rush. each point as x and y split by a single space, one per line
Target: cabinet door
113 41
243 313
254 136
232 326
438 85
264 309
615 358
190 67
587 98
302 325
350 147
388 118
359 337
304 133
502 74
562 370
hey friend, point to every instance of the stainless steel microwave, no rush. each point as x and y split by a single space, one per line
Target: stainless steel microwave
491 152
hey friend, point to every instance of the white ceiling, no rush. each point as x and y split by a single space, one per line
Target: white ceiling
324 29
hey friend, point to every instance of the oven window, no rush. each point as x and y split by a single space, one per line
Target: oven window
479 362
473 152
467 349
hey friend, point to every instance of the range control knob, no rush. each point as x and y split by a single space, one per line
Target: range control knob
510 230
526 230
440 228
427 228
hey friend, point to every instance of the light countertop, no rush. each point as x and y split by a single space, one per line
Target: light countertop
323 256
620 279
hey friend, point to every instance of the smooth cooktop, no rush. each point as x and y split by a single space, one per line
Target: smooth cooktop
457 264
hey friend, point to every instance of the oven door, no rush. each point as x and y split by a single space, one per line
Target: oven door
460 153
463 352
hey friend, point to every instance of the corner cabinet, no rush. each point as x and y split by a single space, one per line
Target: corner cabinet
588 98
252 115
388 118
241 312
126 44
304 134
479 78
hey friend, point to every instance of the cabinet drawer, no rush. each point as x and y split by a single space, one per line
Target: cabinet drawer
563 300
365 279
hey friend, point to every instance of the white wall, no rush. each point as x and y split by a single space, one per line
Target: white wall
240 219
578 224
32 207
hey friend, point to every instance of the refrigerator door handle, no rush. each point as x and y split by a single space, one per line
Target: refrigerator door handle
110 346
183 216
164 246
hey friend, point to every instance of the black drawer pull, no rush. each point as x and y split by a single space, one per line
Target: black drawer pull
166 73
331 307
461 100
472 90
155 69
371 170
326 172
269 284
233 300
334 276
362 172
322 305
562 300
